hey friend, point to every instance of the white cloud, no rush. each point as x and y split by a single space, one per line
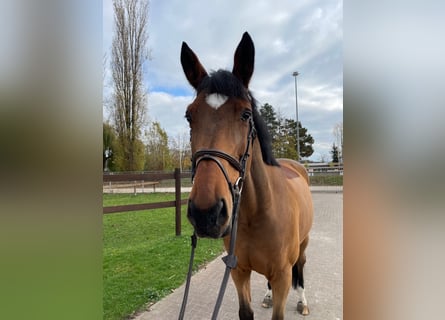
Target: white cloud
169 110
304 36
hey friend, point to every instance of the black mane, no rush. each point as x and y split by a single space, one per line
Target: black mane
263 136
225 83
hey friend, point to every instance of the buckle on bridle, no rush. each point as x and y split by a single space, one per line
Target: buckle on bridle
238 186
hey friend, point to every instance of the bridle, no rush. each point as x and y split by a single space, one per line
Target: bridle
214 155
235 189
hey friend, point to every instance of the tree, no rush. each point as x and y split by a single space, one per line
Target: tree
290 136
285 143
323 157
284 135
129 53
157 153
269 115
306 142
338 134
120 157
334 153
181 151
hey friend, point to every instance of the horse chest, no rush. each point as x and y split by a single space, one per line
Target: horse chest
255 247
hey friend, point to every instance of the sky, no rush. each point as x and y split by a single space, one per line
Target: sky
303 36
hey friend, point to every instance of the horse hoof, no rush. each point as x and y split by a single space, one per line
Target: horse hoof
303 309
267 302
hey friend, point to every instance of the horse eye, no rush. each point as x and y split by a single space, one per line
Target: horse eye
246 115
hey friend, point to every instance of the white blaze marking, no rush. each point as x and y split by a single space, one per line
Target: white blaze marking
216 100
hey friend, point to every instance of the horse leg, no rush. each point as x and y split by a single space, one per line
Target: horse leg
241 278
281 284
298 279
267 301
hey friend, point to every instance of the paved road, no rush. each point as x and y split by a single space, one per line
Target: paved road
323 277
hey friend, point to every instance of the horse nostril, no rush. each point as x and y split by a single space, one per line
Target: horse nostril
216 215
221 213
208 221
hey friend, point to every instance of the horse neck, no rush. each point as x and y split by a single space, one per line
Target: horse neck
256 187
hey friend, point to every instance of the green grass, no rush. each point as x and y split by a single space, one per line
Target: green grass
326 180
143 260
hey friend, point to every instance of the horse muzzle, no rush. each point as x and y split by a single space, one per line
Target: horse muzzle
210 222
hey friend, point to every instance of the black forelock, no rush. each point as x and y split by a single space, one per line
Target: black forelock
225 83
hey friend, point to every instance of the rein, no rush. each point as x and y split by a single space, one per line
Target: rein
230 260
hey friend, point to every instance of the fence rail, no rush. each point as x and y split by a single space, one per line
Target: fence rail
177 203
320 176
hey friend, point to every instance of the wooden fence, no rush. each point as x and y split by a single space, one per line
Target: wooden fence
153 179
177 175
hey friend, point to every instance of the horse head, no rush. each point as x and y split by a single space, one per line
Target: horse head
221 129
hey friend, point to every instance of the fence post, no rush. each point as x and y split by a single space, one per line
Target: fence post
178 201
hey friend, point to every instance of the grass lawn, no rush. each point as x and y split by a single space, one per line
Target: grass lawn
326 180
143 260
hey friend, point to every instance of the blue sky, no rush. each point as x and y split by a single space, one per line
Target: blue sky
303 36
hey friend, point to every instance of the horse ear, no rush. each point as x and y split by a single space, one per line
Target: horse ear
193 69
244 59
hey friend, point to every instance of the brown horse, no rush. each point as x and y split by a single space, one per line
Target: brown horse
230 142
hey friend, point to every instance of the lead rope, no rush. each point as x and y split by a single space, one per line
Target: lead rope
230 260
189 277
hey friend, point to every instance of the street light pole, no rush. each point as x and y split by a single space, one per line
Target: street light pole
295 74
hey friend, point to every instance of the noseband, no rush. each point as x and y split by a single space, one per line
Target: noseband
235 189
